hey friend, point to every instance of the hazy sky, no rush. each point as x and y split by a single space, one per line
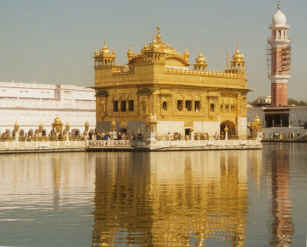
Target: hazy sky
52 41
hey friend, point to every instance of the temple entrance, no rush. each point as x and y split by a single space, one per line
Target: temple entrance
231 129
187 133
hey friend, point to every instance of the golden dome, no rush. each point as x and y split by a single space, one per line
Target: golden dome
57 120
105 56
237 59
105 50
200 59
238 56
57 124
41 127
186 52
130 52
159 46
200 62
67 126
105 47
257 119
16 126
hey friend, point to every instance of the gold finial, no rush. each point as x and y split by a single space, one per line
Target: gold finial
227 60
237 45
158 36
16 126
278 4
105 44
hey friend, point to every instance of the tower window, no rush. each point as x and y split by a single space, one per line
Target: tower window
123 106
188 105
227 108
197 105
131 105
115 106
212 107
164 106
179 105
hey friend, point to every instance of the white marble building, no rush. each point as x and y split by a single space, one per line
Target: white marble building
32 104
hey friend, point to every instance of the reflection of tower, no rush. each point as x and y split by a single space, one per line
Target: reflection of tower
280 59
282 227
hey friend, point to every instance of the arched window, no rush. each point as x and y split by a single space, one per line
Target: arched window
227 107
123 106
115 106
222 107
179 105
131 105
188 105
212 107
197 105
164 106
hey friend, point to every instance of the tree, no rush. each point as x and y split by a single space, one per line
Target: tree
292 101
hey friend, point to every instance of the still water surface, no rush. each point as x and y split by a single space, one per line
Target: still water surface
219 198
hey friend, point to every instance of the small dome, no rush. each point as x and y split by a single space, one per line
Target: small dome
200 59
57 120
130 52
187 53
279 19
238 56
257 119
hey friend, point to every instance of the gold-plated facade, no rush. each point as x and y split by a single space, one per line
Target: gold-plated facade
158 83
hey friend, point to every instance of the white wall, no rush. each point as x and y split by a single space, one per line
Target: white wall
34 104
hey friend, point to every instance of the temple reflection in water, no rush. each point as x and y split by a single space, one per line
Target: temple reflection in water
170 199
282 226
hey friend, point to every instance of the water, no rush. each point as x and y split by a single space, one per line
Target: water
219 198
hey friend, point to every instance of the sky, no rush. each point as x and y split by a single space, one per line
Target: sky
53 41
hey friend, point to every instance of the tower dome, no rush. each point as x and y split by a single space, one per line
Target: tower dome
279 19
237 60
200 58
200 62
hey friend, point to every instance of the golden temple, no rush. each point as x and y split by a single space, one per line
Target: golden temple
158 92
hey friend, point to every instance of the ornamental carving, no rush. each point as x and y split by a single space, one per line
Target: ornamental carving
102 93
144 91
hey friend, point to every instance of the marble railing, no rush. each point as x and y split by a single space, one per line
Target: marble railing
109 143
198 142
127 144
48 145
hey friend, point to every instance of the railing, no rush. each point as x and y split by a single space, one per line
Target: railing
109 143
196 143
124 144
47 145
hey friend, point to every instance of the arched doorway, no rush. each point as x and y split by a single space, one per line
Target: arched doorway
231 129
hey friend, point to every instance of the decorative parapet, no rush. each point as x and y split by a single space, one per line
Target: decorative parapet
205 73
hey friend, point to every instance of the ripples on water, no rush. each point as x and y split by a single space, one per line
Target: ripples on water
220 198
